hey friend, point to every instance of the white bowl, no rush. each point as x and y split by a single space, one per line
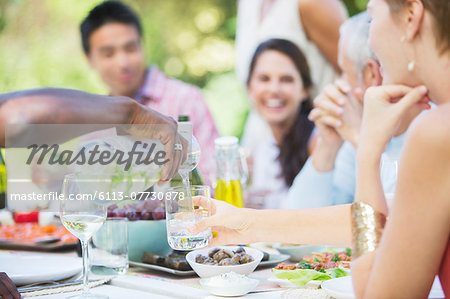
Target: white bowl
206 271
229 289
298 252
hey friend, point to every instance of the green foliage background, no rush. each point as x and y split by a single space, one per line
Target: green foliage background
192 40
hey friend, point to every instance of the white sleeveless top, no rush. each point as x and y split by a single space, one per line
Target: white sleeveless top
281 21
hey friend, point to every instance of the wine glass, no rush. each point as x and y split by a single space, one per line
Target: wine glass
389 175
82 213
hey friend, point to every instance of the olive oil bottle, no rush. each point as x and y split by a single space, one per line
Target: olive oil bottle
228 186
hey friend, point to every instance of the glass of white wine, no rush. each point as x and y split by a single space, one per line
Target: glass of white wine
83 214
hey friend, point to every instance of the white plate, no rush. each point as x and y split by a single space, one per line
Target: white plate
342 288
285 283
274 260
26 268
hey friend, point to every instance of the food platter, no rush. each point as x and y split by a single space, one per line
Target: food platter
33 246
274 259
31 236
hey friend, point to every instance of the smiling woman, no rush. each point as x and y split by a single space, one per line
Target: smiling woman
279 82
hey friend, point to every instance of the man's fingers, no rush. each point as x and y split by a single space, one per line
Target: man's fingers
342 86
321 118
185 145
176 161
315 114
329 107
333 94
330 121
169 150
359 94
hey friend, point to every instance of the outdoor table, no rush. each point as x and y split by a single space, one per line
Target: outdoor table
146 283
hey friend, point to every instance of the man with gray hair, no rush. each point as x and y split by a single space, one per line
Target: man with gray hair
329 176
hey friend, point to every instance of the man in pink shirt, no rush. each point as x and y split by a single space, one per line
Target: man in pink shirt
111 37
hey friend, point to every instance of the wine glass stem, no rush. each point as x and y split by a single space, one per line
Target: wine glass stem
84 246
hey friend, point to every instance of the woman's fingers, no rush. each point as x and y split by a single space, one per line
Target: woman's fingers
413 97
213 221
206 203
227 236
386 92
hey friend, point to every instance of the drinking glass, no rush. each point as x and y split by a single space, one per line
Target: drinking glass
109 248
82 213
181 214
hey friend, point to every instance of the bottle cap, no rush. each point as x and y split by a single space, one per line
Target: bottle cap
183 117
226 142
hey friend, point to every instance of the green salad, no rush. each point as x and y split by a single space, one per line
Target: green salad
320 266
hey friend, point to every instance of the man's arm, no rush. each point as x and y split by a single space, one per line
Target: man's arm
65 106
61 106
313 188
310 189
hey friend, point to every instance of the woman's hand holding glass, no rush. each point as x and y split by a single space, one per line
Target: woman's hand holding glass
230 225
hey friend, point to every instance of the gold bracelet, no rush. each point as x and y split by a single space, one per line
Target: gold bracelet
367 228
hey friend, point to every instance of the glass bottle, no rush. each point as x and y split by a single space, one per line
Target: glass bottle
185 129
229 171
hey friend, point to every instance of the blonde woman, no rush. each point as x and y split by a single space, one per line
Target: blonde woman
411 40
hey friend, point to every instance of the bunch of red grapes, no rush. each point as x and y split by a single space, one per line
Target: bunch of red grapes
141 210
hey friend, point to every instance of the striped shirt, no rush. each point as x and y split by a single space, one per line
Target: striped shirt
172 97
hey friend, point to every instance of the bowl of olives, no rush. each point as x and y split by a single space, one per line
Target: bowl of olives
146 227
209 262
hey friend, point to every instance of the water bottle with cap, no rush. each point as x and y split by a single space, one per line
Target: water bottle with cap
229 171
189 167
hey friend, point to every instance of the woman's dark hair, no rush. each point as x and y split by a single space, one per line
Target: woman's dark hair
104 13
294 145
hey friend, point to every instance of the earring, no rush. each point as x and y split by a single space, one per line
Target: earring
411 65
402 39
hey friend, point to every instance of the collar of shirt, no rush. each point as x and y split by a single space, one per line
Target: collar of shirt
153 87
